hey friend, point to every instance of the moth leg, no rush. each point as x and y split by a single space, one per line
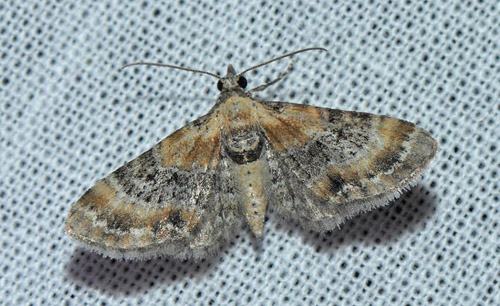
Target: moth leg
279 78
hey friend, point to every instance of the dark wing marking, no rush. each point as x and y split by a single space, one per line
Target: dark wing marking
340 163
175 199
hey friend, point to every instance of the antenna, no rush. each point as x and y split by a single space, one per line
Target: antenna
171 66
217 76
281 57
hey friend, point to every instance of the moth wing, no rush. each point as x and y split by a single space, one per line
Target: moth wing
175 199
328 165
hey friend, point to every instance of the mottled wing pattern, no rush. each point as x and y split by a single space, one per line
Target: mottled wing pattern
327 165
175 199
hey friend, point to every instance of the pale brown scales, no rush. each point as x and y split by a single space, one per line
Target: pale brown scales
187 147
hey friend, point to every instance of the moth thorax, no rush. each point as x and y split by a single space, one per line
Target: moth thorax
244 146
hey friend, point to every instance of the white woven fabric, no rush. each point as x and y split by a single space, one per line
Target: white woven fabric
69 116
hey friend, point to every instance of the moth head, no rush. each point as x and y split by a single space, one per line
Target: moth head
232 80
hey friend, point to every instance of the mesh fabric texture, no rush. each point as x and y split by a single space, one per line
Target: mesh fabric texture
69 117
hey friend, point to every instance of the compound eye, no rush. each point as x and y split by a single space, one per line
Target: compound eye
242 82
219 85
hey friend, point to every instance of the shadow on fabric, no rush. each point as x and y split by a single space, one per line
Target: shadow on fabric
381 226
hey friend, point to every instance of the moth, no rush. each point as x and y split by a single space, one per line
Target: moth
189 193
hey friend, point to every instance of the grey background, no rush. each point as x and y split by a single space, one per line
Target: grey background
69 116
